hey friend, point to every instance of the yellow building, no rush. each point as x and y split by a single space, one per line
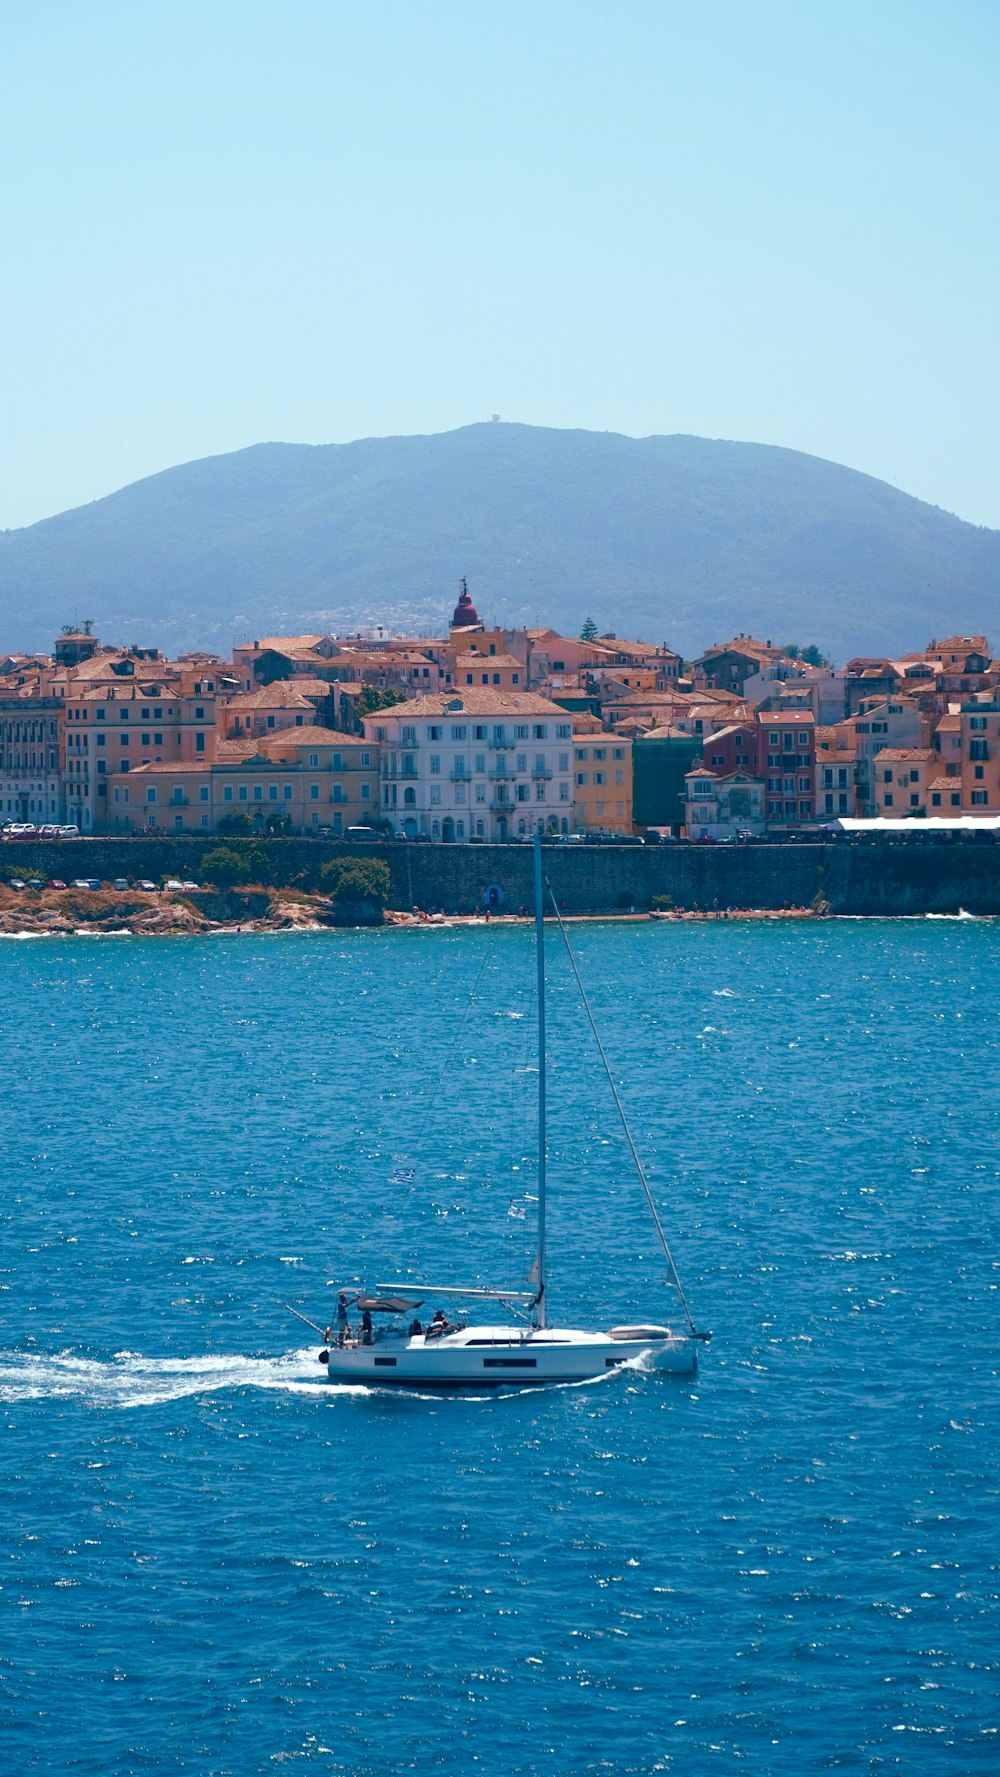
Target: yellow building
602 779
305 780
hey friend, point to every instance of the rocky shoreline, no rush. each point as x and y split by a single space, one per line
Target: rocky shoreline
69 912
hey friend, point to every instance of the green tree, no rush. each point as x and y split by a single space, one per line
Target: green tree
235 823
810 655
371 700
278 822
224 868
356 881
589 631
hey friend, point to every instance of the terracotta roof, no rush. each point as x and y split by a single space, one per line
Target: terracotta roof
234 749
664 732
472 700
904 755
283 694
782 718
945 783
280 739
468 662
176 768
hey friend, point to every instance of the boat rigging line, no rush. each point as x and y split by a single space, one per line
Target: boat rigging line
633 1150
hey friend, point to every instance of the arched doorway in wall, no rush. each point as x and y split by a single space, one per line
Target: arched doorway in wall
447 829
501 829
409 828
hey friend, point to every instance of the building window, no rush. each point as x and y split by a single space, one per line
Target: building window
258 793
313 761
435 763
314 792
979 798
199 743
435 794
151 793
203 792
888 799
227 793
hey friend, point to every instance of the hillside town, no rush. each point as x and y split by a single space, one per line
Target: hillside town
489 734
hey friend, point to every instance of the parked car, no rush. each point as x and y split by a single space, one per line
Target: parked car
366 833
149 887
35 882
22 830
50 830
56 883
68 832
15 883
172 883
190 885
83 882
121 882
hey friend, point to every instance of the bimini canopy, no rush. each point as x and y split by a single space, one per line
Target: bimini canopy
389 1304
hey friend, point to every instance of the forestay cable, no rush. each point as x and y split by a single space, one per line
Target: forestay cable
633 1150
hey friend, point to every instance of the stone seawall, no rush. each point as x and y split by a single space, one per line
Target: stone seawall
873 877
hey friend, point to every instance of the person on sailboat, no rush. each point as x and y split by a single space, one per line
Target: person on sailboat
438 1325
366 1327
343 1325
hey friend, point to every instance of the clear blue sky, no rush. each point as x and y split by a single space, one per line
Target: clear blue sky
228 220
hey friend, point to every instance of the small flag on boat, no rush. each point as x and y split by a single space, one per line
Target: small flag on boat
517 1210
402 1175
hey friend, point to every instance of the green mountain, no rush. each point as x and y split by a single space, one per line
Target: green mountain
687 540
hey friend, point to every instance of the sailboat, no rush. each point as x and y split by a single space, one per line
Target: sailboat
525 1348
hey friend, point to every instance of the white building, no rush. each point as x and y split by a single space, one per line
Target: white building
476 764
30 778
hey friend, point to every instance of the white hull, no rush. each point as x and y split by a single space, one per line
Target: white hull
503 1357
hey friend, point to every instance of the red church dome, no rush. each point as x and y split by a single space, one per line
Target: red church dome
465 615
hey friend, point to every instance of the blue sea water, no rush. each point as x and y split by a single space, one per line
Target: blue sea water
214 1562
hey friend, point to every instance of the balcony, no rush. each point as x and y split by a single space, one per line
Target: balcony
179 802
501 775
460 774
541 773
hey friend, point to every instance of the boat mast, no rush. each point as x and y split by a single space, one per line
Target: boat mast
538 1269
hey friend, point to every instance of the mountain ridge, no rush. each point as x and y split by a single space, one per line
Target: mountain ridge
674 537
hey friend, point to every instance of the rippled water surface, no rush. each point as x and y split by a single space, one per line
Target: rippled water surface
213 1562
